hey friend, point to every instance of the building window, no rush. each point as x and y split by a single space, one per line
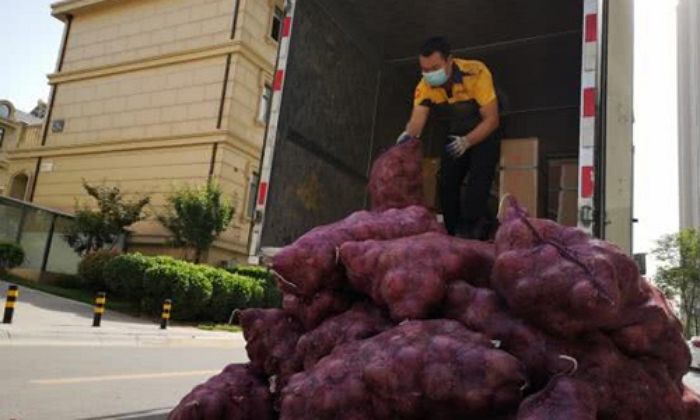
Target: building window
277 18
2 136
4 111
265 103
18 189
253 194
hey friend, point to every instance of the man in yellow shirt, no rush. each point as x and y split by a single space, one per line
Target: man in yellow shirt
462 91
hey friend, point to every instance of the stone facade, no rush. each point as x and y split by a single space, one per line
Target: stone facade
154 94
17 129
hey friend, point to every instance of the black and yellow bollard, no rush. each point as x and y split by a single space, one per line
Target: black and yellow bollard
100 301
12 294
165 316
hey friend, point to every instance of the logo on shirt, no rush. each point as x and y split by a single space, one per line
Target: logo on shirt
419 92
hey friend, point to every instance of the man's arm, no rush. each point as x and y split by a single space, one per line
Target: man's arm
419 117
490 121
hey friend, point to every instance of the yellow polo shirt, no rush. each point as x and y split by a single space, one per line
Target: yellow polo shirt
471 80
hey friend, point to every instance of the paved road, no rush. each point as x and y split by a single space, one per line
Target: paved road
84 382
692 380
44 319
55 365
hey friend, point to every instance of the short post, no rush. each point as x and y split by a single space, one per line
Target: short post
100 301
12 295
165 316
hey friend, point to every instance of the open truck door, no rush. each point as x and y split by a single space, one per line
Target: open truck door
344 83
618 158
606 142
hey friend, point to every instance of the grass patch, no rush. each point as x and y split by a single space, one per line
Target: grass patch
219 327
79 295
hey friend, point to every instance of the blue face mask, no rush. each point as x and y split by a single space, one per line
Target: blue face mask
436 78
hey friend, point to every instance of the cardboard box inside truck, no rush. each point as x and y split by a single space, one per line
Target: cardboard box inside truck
431 167
519 171
562 193
567 211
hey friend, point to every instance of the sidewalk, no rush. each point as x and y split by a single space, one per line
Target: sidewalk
44 319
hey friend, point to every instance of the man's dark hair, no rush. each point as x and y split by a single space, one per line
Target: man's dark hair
436 44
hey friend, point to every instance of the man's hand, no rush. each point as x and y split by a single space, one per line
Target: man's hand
419 116
403 137
458 146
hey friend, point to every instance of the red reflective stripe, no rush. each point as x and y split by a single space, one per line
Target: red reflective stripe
587 181
286 27
279 77
592 27
589 102
262 194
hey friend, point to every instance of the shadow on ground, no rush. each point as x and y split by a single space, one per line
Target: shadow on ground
58 311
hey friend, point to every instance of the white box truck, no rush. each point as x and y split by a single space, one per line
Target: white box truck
347 70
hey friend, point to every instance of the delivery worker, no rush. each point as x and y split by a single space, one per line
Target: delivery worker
463 94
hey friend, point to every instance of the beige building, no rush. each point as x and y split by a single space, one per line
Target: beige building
18 129
152 94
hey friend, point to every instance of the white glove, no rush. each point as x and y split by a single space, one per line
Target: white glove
403 137
458 146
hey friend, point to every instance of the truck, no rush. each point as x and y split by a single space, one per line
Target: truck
343 91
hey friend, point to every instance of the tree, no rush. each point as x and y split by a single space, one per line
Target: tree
11 256
100 226
196 216
679 274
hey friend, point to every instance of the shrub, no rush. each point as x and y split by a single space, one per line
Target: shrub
124 275
272 297
91 269
196 216
254 271
96 228
231 291
154 290
186 284
11 256
198 292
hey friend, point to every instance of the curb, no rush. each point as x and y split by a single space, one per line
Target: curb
97 338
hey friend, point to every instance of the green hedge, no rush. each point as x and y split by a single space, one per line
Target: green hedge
254 271
198 292
272 297
91 269
186 284
11 256
124 275
231 291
